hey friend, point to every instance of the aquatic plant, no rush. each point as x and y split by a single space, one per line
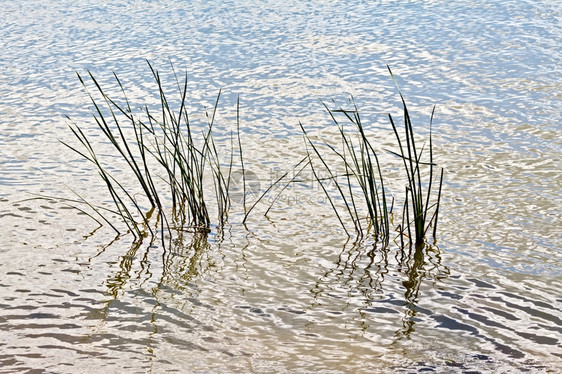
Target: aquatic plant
419 209
163 146
360 164
182 162
362 185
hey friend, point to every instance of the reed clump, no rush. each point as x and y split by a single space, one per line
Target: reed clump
360 181
158 146
360 184
177 167
421 206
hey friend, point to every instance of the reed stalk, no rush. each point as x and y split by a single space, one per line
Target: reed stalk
424 212
361 165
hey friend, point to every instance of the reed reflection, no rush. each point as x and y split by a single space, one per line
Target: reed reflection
369 277
163 276
360 266
419 263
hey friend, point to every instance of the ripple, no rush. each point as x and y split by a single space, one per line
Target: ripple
290 290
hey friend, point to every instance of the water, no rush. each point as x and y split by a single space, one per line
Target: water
289 293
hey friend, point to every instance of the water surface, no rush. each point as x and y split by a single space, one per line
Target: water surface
289 293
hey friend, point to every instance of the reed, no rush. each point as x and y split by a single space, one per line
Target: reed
420 210
360 183
158 146
178 169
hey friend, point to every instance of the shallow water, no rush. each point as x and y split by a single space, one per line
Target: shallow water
289 293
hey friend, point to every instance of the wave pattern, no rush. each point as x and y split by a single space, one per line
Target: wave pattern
288 294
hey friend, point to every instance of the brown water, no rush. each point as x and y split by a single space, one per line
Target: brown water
290 292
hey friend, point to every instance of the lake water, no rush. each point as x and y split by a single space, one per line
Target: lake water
290 292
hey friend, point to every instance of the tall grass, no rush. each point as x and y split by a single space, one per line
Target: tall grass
158 146
420 209
177 167
361 167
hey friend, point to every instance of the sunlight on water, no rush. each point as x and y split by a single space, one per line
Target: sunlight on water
287 292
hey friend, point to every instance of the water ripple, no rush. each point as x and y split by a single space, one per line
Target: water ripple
289 291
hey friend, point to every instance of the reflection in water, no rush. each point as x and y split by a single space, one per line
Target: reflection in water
229 296
425 263
181 263
369 269
187 259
